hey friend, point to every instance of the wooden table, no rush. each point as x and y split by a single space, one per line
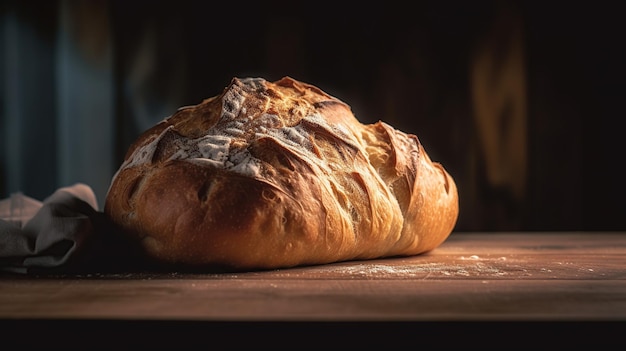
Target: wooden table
488 279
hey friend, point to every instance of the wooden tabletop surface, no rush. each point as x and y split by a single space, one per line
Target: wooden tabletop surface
555 276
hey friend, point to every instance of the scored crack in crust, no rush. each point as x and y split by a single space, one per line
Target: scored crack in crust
278 174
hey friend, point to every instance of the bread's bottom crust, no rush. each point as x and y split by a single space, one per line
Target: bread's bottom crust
188 216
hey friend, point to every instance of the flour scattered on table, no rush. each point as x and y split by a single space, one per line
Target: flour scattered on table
425 270
473 257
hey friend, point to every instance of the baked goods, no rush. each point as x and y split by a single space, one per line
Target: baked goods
278 174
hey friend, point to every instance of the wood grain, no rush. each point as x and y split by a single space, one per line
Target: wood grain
472 276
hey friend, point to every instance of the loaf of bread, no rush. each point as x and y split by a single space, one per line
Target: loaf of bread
278 174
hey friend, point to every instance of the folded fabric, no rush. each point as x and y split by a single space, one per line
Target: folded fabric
67 234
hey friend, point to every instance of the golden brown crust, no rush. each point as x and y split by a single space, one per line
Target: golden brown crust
270 175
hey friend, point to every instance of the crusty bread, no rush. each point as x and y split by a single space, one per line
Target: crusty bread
278 174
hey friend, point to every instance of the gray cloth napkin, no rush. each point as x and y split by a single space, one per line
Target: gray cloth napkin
67 234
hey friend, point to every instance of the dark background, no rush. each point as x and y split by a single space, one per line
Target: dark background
81 79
